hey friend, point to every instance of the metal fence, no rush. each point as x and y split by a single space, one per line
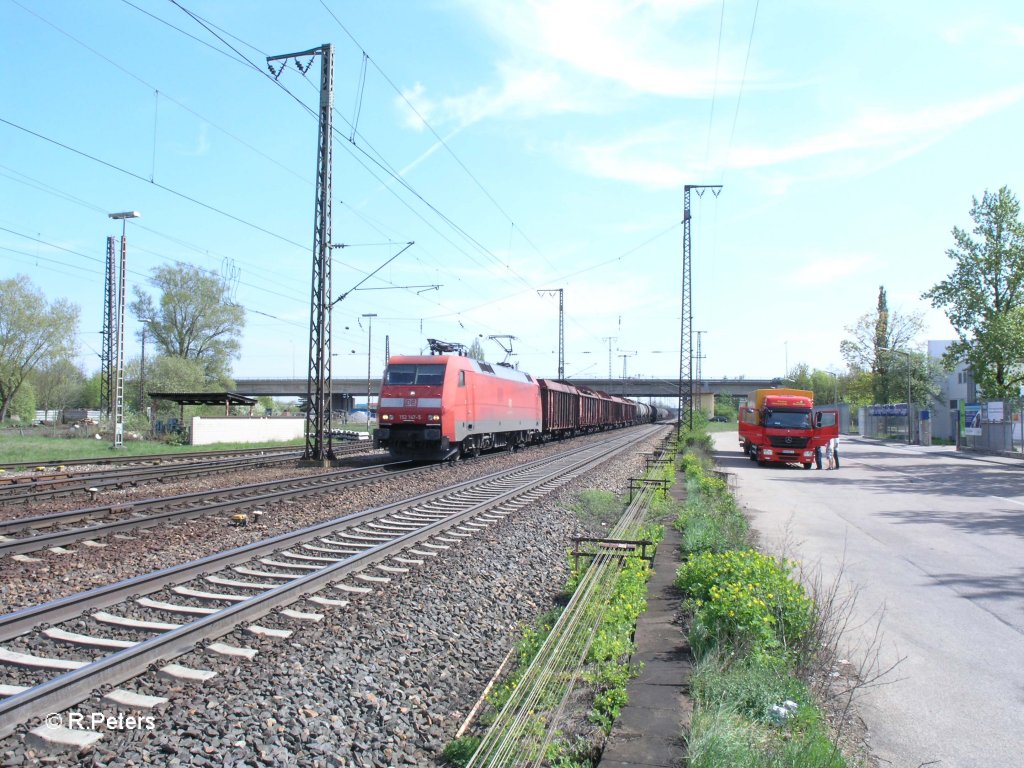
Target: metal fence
889 422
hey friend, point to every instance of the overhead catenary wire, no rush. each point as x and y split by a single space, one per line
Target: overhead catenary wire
237 56
377 160
135 272
739 97
365 150
714 92
444 144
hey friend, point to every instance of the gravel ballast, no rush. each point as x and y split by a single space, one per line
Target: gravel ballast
384 681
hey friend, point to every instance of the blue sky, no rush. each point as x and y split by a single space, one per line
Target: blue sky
522 146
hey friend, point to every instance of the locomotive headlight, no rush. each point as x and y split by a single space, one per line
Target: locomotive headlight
435 417
385 417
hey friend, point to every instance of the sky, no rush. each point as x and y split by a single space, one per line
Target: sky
522 146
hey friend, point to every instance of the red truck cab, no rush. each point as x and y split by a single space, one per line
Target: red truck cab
783 427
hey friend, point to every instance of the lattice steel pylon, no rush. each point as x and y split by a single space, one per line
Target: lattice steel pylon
686 324
319 394
109 331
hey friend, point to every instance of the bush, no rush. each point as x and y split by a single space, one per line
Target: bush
744 598
459 752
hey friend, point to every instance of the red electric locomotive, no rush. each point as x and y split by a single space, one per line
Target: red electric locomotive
437 407
442 406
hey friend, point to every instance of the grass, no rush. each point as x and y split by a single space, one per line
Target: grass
595 507
18 445
751 622
597 643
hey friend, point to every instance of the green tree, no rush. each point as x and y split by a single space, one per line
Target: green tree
983 296
32 333
24 403
194 320
58 385
174 374
821 383
89 397
867 350
726 406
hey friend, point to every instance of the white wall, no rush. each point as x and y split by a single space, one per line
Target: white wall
240 429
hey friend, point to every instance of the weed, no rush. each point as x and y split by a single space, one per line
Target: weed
595 507
459 751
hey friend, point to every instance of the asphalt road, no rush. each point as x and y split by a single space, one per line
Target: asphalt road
933 542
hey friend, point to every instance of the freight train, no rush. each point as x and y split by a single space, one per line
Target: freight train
448 406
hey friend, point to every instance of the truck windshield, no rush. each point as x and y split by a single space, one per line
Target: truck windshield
427 375
796 419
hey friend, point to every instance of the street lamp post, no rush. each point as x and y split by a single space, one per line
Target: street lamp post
119 370
369 353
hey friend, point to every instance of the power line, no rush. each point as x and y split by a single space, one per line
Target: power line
434 133
164 187
131 271
381 163
739 97
714 92
148 85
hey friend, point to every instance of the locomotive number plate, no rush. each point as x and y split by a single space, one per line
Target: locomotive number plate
410 402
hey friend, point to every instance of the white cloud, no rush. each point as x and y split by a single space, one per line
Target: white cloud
202 143
825 269
879 130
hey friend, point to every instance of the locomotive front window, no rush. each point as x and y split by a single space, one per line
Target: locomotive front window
431 375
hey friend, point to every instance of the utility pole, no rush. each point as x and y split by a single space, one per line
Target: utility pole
610 339
118 383
319 395
561 327
700 375
625 356
686 322
142 372
369 356
109 331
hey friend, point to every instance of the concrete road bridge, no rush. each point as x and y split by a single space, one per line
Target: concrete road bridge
354 389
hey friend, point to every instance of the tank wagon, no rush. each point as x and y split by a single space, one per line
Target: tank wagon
446 406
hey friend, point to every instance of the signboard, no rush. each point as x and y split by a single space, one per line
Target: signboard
892 409
972 419
995 410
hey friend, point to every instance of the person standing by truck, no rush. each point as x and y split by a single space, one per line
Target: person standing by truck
828 454
835 451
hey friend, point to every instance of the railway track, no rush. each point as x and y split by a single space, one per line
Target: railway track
19 536
197 602
26 489
151 458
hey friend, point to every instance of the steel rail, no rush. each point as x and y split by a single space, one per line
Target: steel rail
74 686
50 486
155 458
19 622
184 506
